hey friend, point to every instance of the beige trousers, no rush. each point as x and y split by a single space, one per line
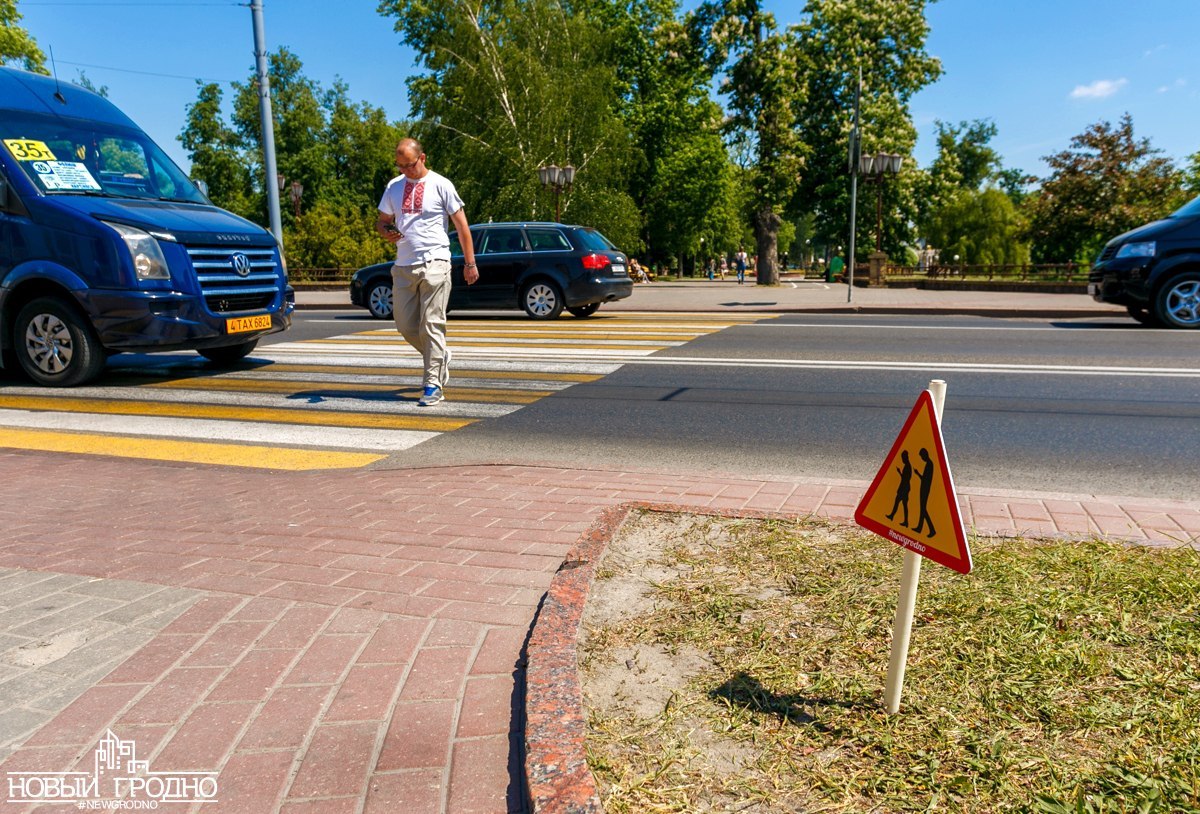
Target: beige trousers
419 297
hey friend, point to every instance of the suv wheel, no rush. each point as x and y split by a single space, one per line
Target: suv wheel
542 299
582 311
379 299
1178 302
56 345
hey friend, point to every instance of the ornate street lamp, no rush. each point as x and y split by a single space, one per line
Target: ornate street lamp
558 179
874 168
297 191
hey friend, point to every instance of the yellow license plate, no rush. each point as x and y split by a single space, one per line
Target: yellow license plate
238 325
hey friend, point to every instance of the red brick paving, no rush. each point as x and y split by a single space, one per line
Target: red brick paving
360 648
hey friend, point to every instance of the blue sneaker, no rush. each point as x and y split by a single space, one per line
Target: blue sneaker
431 396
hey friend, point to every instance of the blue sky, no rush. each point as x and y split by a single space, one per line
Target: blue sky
1042 70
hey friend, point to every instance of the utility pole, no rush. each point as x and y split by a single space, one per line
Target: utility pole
854 151
268 122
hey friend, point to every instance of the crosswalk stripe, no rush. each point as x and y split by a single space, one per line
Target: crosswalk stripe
299 389
112 404
194 429
339 401
259 457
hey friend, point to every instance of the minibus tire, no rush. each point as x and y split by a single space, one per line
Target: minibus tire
55 345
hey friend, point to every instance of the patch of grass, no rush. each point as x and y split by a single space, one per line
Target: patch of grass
1057 677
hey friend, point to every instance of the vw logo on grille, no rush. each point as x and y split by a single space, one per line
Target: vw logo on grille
240 263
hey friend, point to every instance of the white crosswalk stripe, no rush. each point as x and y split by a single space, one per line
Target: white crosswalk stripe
342 401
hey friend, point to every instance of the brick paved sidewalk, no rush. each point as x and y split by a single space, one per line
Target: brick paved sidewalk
344 642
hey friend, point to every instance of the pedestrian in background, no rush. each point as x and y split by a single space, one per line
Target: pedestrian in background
739 261
412 216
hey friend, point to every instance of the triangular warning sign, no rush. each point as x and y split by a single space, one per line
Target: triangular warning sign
912 500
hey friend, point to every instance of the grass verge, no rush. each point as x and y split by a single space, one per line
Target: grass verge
738 665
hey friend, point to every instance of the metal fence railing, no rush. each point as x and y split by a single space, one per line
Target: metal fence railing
1022 273
321 275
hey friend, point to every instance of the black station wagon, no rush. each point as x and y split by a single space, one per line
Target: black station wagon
540 267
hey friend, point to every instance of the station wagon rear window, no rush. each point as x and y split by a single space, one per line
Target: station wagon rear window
543 240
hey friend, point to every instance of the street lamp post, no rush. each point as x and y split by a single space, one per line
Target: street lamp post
874 168
297 191
558 179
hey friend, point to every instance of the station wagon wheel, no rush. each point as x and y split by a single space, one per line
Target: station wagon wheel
379 299
1178 302
229 354
56 345
583 311
542 299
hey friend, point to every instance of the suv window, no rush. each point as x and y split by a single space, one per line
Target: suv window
502 240
592 241
548 240
456 244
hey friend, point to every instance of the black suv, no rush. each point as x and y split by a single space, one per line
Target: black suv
1154 271
541 267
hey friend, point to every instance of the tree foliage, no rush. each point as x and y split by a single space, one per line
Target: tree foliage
512 85
764 84
982 227
17 47
340 151
1107 182
886 39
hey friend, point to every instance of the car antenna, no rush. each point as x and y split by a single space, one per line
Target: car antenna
57 89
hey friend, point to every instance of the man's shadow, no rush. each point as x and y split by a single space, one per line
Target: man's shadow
748 692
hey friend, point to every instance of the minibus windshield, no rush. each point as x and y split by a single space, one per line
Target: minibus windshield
74 157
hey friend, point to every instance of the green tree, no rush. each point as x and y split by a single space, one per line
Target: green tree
16 46
1107 182
342 153
974 161
218 156
886 39
682 181
764 72
509 86
1191 174
982 227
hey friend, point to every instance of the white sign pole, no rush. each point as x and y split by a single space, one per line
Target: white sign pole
907 603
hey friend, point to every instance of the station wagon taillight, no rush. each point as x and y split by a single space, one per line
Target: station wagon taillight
594 262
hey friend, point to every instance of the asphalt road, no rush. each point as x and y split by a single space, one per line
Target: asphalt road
1098 407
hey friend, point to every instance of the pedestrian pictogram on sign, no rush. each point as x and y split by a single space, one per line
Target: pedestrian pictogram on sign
912 500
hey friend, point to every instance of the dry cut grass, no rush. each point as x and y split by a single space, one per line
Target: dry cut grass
748 675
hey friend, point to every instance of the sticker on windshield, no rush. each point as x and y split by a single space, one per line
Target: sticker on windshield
67 175
28 149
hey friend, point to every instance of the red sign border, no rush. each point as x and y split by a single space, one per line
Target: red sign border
962 563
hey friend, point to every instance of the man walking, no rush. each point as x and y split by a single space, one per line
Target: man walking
412 216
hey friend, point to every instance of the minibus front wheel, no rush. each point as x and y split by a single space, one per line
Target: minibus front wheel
55 344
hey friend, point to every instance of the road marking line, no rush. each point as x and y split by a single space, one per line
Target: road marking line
246 456
198 429
294 415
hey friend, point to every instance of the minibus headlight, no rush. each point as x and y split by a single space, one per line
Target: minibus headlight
144 251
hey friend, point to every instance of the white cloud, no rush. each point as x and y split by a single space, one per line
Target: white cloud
1100 89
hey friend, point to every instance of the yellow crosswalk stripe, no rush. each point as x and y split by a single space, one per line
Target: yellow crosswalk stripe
473 394
298 415
198 452
459 373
